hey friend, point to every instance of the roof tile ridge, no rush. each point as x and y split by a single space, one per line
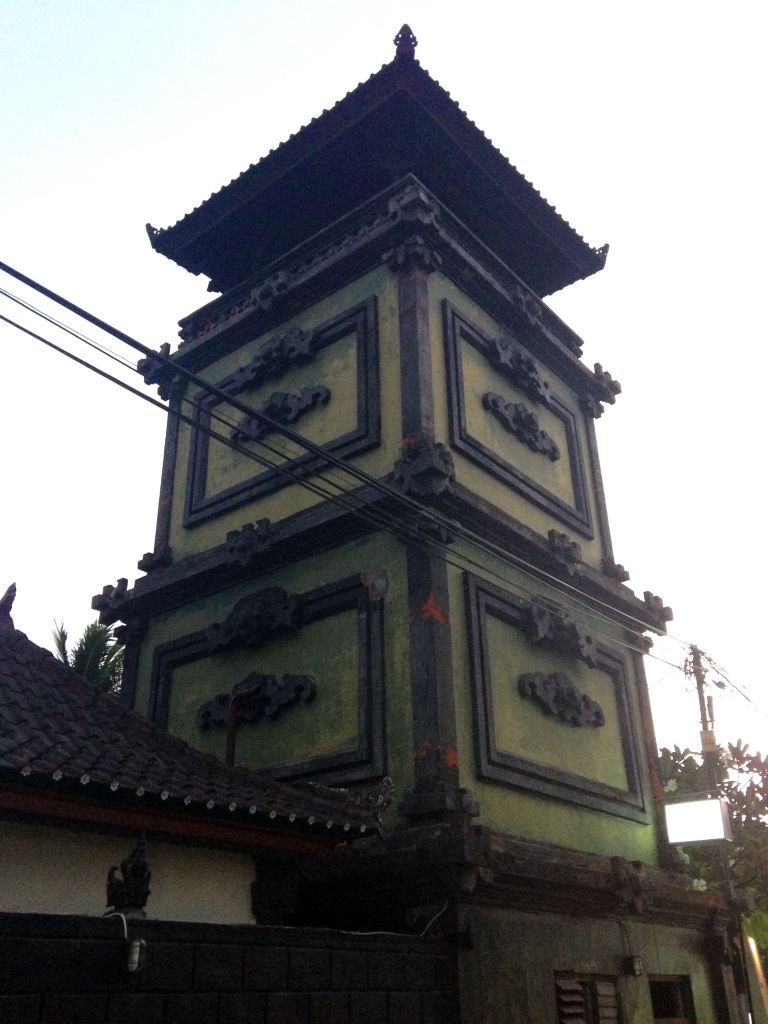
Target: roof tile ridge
435 82
41 655
325 112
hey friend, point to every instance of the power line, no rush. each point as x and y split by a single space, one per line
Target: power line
430 514
376 518
521 565
127 363
514 561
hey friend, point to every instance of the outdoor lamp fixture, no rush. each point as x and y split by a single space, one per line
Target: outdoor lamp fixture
633 966
699 819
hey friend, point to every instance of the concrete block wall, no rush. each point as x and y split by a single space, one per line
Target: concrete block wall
70 970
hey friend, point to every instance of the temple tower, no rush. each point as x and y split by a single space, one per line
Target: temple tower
382 545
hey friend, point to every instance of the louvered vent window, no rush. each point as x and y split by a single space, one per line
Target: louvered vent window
582 999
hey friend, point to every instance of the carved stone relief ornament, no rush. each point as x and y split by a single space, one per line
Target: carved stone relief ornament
556 695
266 293
110 599
129 894
425 468
615 571
557 630
153 560
519 369
528 303
656 607
567 552
604 389
272 359
254 619
629 879
521 422
156 370
414 252
414 206
405 44
259 696
247 543
277 286
283 407
254 698
607 386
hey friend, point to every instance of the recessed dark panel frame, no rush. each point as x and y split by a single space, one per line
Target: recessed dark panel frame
363 762
457 329
362 321
484 599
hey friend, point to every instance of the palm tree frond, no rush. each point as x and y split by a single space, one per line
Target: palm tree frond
60 641
97 655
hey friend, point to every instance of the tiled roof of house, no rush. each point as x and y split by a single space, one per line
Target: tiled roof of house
399 117
57 729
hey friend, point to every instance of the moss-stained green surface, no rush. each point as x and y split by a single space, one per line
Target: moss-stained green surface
523 729
326 649
335 367
509 973
480 376
522 813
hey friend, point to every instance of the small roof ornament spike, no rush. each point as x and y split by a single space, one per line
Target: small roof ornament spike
405 44
6 603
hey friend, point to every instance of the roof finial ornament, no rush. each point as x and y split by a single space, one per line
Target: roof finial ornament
6 603
405 42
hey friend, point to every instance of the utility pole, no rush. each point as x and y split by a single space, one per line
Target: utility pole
709 753
709 748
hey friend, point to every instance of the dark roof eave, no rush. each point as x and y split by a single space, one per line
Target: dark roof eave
59 732
39 800
186 242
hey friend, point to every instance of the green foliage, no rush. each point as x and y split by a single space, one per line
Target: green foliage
743 781
97 655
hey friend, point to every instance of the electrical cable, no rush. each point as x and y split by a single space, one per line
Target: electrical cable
442 521
70 330
398 530
521 565
394 526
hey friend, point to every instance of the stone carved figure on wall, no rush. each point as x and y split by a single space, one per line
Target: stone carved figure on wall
254 619
129 894
560 698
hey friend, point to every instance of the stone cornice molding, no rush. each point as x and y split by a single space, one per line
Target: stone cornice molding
388 225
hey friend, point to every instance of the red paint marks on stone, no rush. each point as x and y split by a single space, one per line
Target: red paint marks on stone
656 784
452 757
431 610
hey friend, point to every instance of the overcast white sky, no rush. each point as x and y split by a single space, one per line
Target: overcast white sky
642 123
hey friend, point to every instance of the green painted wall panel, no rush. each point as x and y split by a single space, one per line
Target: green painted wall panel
515 811
338 362
523 729
334 367
484 377
326 650
509 973
479 377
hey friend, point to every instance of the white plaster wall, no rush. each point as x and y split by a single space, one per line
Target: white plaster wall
48 870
